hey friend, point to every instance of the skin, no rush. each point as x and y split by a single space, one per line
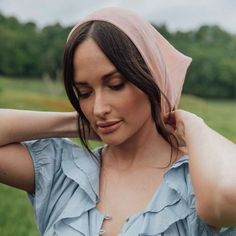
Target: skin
100 100
134 149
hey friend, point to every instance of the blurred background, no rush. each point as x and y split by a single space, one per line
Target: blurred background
32 38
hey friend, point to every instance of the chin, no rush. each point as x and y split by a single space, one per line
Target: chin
112 140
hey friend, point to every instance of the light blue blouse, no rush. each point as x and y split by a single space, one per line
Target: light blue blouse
67 188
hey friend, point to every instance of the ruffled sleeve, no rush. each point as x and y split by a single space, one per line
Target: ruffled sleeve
46 155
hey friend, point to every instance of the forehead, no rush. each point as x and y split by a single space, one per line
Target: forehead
90 62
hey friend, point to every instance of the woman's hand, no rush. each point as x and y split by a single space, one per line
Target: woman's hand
176 123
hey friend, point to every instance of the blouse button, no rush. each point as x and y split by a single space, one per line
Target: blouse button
102 231
107 217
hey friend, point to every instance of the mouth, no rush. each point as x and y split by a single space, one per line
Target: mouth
108 126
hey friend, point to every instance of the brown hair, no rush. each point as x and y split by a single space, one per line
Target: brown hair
114 42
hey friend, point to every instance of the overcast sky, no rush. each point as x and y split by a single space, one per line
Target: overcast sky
176 14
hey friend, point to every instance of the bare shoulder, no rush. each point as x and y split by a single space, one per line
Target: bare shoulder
16 167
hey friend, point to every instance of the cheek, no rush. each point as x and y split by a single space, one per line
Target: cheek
85 108
135 103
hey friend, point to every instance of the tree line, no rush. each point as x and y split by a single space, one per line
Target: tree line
29 51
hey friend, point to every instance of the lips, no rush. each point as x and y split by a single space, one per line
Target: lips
108 126
107 123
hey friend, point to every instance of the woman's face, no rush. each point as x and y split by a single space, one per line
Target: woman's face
115 108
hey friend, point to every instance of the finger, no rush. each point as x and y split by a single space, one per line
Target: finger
170 121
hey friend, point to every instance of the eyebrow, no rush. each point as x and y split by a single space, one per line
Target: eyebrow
104 77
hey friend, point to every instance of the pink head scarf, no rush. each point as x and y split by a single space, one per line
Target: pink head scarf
167 65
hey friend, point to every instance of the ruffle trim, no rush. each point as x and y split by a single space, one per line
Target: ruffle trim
39 150
168 206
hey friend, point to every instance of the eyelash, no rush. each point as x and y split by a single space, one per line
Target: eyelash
83 96
117 87
114 87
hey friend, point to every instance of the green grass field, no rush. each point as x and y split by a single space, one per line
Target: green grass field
16 214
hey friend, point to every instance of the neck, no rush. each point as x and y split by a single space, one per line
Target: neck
144 149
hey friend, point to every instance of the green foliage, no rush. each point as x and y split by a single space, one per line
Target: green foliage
27 51
17 216
52 40
33 94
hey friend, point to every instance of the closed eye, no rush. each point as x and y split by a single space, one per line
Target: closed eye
83 94
117 87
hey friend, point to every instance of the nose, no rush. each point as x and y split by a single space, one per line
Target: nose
101 106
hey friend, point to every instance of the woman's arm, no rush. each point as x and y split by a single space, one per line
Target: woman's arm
16 167
212 163
21 125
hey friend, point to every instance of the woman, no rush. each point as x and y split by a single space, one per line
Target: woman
162 171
